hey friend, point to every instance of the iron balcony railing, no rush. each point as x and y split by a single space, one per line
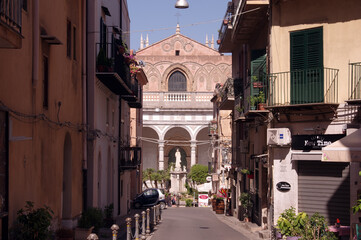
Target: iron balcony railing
228 18
109 61
317 85
129 157
354 81
10 14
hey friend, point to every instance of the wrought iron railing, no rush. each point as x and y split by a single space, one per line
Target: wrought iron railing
317 85
10 14
354 81
129 157
228 18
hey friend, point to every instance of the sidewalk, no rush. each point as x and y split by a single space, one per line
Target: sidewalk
246 228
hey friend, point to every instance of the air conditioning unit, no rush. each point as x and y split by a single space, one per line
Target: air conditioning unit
278 136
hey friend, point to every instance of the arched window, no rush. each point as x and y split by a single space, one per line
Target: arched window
177 82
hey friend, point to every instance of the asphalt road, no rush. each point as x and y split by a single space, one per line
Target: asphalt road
194 224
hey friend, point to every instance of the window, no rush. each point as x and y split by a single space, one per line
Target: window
103 35
306 66
68 39
177 52
45 82
177 82
74 43
25 5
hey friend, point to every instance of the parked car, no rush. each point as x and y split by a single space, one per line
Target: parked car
149 197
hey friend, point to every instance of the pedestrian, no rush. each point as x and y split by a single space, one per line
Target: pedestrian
178 200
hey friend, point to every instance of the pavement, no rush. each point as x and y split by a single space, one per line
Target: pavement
246 228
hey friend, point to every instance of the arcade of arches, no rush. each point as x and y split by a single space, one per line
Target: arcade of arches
160 147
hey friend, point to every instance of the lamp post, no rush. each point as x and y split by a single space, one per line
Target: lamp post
181 4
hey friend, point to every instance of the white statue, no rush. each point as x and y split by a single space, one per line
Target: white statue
178 160
184 169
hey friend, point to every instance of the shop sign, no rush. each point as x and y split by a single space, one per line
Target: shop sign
283 186
314 142
202 200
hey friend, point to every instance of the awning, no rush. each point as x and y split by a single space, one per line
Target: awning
347 149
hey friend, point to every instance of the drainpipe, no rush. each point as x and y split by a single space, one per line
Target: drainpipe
36 43
84 103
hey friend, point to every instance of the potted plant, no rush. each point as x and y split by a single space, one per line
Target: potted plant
64 234
245 171
214 202
317 228
103 63
246 204
33 223
219 205
252 102
261 100
91 218
291 225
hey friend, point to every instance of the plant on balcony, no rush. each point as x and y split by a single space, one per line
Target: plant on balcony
245 171
104 64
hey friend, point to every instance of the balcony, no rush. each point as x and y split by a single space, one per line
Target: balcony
307 87
244 20
10 23
130 158
224 36
178 100
227 95
354 83
113 71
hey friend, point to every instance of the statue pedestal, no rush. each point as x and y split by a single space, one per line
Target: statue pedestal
178 180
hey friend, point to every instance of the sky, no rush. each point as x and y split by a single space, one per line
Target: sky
158 19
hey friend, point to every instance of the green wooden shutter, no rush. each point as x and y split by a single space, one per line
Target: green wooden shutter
307 66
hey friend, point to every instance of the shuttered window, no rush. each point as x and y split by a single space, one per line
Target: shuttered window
177 82
306 66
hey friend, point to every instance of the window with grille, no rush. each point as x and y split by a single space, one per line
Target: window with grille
177 82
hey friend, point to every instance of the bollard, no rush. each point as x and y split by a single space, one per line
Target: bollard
154 216
136 216
114 229
129 228
92 236
148 221
143 226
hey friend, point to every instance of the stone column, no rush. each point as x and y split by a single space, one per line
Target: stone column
193 153
161 155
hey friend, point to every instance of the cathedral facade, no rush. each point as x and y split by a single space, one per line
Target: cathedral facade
182 75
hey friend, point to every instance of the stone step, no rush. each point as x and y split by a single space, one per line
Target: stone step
264 234
252 227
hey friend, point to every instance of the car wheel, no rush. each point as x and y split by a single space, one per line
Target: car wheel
137 205
162 205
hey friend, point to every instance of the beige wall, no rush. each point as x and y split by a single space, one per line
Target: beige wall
340 22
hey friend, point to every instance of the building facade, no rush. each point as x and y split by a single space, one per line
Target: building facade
182 74
41 102
301 60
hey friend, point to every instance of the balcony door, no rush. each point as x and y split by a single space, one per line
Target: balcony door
307 85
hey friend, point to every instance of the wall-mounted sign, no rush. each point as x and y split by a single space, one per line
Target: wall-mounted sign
314 142
283 186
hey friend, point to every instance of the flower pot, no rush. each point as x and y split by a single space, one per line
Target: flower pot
225 21
214 202
250 176
261 106
218 41
219 206
278 235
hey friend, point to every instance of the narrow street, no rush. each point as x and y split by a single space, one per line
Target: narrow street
193 224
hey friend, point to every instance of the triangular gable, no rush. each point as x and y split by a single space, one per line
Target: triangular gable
185 45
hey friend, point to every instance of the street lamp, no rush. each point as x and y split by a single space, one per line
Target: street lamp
181 4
